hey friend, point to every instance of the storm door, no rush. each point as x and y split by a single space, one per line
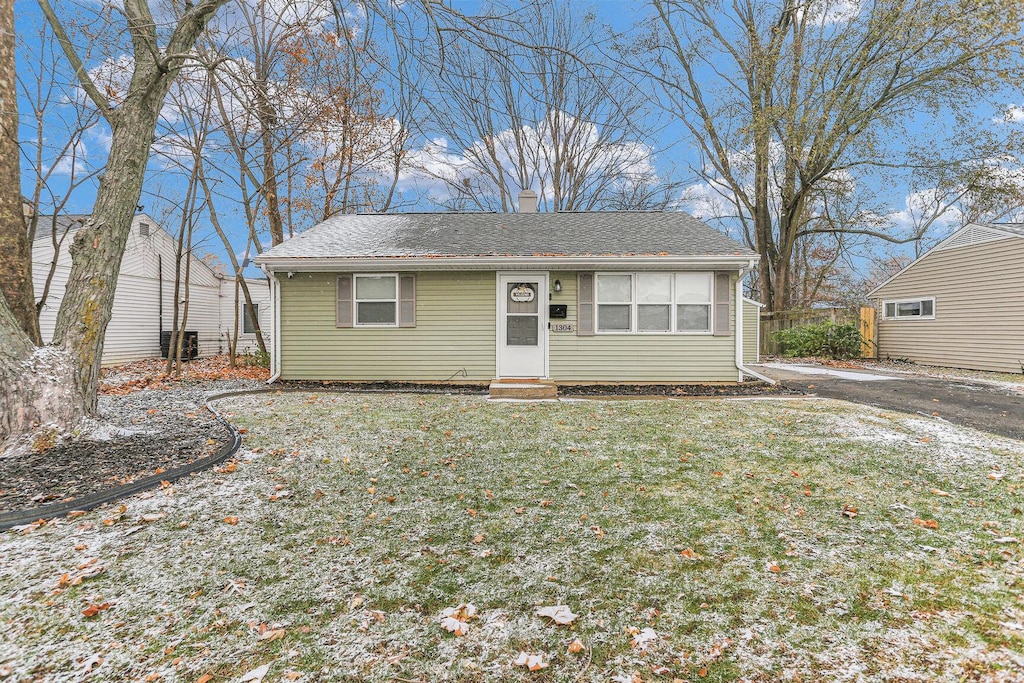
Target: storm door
522 325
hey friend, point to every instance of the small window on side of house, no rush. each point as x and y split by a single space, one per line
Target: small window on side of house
909 309
376 300
248 326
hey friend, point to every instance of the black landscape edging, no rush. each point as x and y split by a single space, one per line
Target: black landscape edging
88 502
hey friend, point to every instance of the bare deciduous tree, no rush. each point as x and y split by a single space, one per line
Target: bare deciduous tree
783 98
15 246
536 106
70 388
56 154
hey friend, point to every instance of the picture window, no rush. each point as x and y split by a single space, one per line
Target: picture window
651 303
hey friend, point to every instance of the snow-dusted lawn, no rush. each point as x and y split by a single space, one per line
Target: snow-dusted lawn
354 520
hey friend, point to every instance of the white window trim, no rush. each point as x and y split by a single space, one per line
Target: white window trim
902 318
634 304
356 301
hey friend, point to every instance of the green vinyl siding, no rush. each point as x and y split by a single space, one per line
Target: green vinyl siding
637 357
454 337
751 321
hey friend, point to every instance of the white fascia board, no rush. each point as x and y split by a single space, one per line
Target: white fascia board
547 263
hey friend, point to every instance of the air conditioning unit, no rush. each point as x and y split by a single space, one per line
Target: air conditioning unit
189 344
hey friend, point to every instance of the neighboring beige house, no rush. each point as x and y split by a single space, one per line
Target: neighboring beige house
959 305
631 297
144 300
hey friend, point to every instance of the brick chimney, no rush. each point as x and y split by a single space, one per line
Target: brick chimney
527 201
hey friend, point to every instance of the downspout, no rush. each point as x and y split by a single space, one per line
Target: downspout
275 325
160 292
744 370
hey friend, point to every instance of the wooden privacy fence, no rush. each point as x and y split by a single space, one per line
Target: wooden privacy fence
868 347
785 320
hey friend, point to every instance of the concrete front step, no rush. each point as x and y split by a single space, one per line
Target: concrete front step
523 389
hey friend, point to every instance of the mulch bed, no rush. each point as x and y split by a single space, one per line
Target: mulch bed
149 423
752 389
75 468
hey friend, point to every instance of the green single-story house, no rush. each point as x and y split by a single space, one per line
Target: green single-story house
588 297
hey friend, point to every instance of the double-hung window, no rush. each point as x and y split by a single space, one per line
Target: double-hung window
693 302
653 302
376 300
248 321
614 303
909 309
650 303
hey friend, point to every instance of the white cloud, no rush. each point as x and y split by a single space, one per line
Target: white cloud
920 206
74 161
834 11
1012 113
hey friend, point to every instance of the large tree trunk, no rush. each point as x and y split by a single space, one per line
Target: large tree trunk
15 249
267 118
98 247
38 382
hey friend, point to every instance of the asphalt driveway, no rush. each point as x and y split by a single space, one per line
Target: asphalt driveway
998 409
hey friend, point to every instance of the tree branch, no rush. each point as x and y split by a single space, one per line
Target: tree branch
76 63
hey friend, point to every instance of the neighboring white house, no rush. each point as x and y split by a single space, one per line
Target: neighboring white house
144 300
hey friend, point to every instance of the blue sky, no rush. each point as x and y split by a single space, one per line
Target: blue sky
673 156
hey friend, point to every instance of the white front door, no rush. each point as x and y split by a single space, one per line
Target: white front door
522 325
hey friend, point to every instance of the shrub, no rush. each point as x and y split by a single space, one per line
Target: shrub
257 358
821 339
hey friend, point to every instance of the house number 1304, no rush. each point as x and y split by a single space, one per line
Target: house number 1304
561 327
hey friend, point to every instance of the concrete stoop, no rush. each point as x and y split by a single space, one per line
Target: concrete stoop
523 389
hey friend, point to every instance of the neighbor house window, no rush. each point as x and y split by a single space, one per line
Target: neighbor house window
376 300
654 302
248 326
909 309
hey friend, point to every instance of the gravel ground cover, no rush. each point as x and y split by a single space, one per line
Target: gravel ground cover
358 535
148 423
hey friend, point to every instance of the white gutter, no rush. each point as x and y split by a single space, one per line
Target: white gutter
275 326
390 263
744 370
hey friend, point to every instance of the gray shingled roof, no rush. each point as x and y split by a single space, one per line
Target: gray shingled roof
1015 228
44 227
618 233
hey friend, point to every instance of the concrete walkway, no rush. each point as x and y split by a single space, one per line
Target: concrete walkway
988 407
